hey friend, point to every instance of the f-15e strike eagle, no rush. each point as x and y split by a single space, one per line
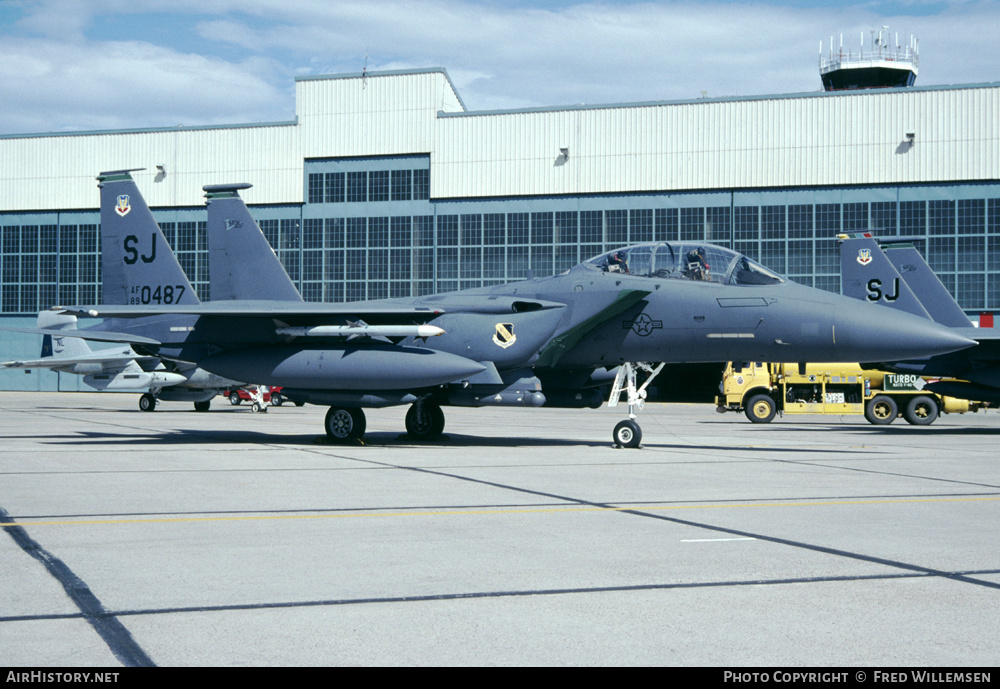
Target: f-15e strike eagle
552 341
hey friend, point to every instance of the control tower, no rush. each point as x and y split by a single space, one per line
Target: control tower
882 64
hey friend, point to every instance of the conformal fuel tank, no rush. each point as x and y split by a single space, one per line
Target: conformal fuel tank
369 367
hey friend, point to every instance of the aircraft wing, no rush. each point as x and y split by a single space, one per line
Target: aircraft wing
118 357
371 311
95 335
262 309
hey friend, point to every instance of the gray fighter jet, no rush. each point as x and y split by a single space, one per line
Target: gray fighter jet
550 341
892 272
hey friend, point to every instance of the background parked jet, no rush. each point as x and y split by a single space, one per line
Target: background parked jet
896 275
118 368
530 343
148 272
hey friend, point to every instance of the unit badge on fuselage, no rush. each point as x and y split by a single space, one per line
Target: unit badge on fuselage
123 207
504 335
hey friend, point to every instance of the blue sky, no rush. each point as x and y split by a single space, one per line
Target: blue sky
68 65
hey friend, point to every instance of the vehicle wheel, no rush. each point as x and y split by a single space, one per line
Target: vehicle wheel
760 409
344 424
234 398
147 402
921 411
202 406
424 421
881 410
255 407
627 434
276 399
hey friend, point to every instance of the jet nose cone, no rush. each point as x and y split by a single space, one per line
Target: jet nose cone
883 334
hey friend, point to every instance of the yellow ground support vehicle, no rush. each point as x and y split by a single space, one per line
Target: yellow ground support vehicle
763 390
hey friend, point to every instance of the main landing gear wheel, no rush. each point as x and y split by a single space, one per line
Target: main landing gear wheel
202 406
345 424
147 402
760 409
627 434
921 411
234 398
881 410
424 421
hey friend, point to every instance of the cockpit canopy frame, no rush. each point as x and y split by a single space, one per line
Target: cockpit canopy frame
685 261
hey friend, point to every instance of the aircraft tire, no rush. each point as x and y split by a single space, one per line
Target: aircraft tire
234 398
760 409
627 434
147 402
344 424
921 411
424 421
202 406
881 410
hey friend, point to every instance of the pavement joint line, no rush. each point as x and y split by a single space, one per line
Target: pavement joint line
466 512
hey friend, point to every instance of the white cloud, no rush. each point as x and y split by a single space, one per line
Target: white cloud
51 85
242 66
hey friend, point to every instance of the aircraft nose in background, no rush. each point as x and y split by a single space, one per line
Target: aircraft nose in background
882 334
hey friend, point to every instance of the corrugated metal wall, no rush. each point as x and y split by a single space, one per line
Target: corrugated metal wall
811 140
787 141
58 172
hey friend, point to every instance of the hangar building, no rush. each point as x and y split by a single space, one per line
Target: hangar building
385 185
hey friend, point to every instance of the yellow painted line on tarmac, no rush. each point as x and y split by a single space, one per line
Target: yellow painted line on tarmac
449 513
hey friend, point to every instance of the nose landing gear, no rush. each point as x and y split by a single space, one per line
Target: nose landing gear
628 433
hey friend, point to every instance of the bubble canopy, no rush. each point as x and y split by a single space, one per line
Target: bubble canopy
685 261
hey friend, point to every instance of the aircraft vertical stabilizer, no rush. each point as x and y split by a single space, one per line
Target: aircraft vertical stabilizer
934 296
244 266
138 265
867 274
61 347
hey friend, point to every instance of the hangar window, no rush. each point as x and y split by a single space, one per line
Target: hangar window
315 188
971 216
333 231
357 187
400 233
378 185
641 225
421 185
566 230
494 230
402 185
884 217
666 225
591 227
856 217
334 192
800 221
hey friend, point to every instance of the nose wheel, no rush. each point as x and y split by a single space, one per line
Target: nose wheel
627 433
